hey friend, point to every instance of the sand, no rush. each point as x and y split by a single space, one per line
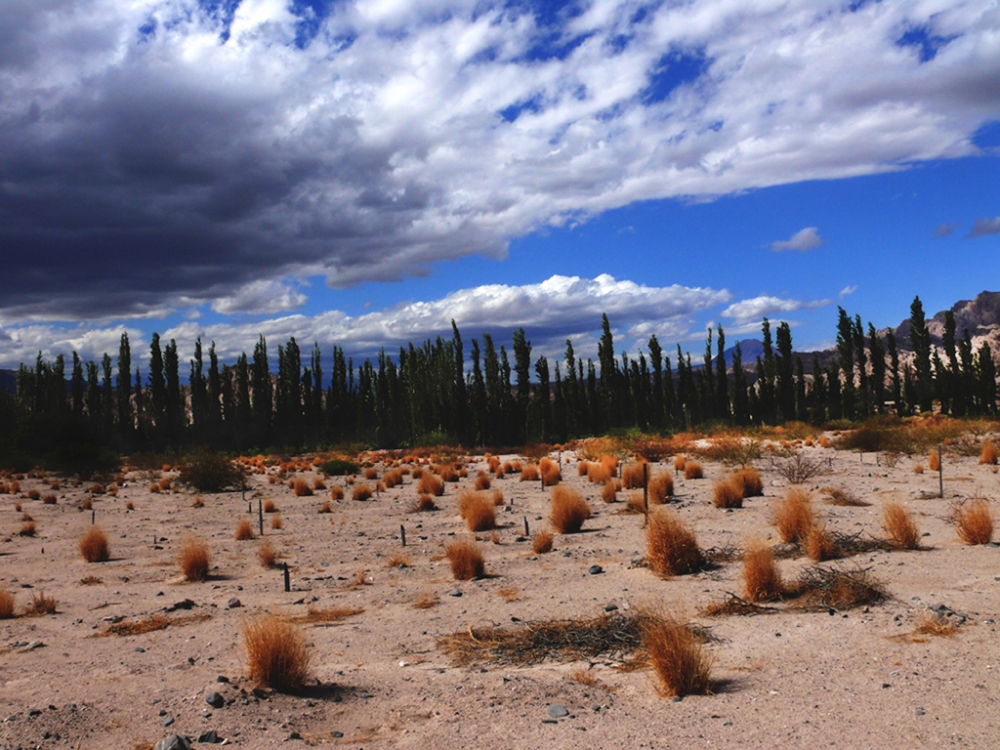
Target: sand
847 679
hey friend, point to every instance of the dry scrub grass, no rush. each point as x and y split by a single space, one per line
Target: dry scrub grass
276 654
7 604
301 488
934 460
482 481
477 510
316 616
244 530
794 517
671 547
430 484
336 492
633 475
841 497
609 492
40 605
529 473
267 555
94 546
424 504
541 542
426 600
568 511
151 624
677 655
918 469
988 454
900 528
27 529
269 506
276 522
466 561
761 579
820 546
693 470
195 560
753 486
728 493
661 488
974 522
598 473
549 469
362 492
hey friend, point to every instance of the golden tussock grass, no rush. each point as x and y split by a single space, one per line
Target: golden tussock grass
244 530
164 484
276 654
988 454
753 486
482 481
392 478
424 504
371 473
671 547
317 616
89 581
34 494
426 600
86 504
840 496
94 546
466 561
609 492
824 441
17 507
276 522
302 488
40 605
497 497
819 545
362 492
549 469
267 555
938 627
679 658
270 507
7 604
634 503
430 484
918 469
336 492
761 579
325 507
14 487
974 522
934 460
27 529
793 516
50 499
632 475
447 472
598 473
900 528
693 470
680 461
581 468
477 510
661 488
529 473
399 560
509 594
568 510
727 493
318 484
541 542
198 502
583 677
195 560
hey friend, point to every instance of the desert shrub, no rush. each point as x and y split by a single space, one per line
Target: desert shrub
392 478
609 492
270 506
7 604
482 481
918 468
497 498
301 488
34 494
477 510
49 499
430 484
276 522
900 528
797 468
466 561
974 522
793 516
164 484
728 493
934 460
318 484
27 529
632 475
661 488
753 486
693 470
276 654
336 492
424 504
338 467
598 473
733 450
841 497
541 542
325 507
549 470
266 554
678 656
86 504
761 579
94 546
634 503
244 530
209 472
195 560
819 545
40 605
671 547
582 468
988 454
529 473
362 492
370 473
680 461
447 472
568 511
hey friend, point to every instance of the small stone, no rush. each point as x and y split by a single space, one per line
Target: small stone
173 742
140 650
222 678
337 735
557 711
456 592
921 711
595 570
168 721
215 700
293 735
210 737
234 603
612 607
32 712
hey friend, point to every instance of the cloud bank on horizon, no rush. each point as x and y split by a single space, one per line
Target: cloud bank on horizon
166 153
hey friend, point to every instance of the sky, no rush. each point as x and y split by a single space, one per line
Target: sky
361 173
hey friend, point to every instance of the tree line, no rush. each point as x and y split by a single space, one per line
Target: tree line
433 393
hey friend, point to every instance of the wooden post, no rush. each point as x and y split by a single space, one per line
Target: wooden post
288 581
527 532
93 514
402 534
940 472
645 493
243 485
260 515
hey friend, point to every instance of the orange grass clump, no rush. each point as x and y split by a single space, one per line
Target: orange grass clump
244 530
94 546
195 560
541 542
609 492
988 454
761 579
430 484
276 653
693 470
371 473
27 529
819 545
6 604
728 493
680 461
270 507
793 516
301 488
918 469
598 473
483 481
549 469
529 473
50 499
362 492
974 522
671 547
677 655
40 605
568 511
753 486
661 488
934 460
276 522
477 510
336 492
582 468
632 475
325 507
34 494
899 526
266 554
319 484
466 561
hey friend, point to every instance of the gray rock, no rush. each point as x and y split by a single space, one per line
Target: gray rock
210 737
173 742
215 700
168 721
595 570
456 592
557 711
612 607
293 735
234 603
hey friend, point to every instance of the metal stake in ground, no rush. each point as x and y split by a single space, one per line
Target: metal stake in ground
260 515
93 514
288 581
526 531
940 472
645 493
402 534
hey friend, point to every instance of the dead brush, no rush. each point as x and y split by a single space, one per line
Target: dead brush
301 488
447 472
529 473
244 530
7 604
633 475
761 579
195 560
598 473
270 507
934 460
661 488
728 493
371 473
793 516
581 468
424 504
634 504
94 545
551 476
749 477
836 588
900 528
276 654
40 605
28 529
430 484
671 547
34 494
609 492
934 625
466 561
541 542
267 555
325 507
974 522
319 485
336 492
841 497
988 454
276 522
482 481
820 545
49 499
693 470
680 461
918 469
317 616
362 492
477 510
426 600
568 510
679 658
399 560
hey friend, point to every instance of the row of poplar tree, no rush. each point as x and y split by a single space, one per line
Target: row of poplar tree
432 393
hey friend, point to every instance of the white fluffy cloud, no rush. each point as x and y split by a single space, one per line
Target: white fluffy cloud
262 297
158 149
558 308
748 313
802 240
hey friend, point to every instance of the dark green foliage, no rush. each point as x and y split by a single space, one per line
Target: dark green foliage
338 467
210 472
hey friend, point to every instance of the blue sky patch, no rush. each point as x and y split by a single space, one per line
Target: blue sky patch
671 71
927 43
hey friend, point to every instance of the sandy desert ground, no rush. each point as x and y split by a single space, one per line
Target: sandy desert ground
793 679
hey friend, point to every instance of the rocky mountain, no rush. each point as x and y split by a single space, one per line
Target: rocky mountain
981 316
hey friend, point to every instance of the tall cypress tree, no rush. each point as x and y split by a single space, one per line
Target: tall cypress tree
878 368
174 400
785 368
741 405
522 368
124 388
859 349
768 400
542 424
199 392
76 386
494 408
262 393
157 391
896 394
657 414
952 400
721 381
480 409
845 348
920 339
608 384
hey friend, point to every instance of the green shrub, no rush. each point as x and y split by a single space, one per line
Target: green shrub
338 467
210 472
